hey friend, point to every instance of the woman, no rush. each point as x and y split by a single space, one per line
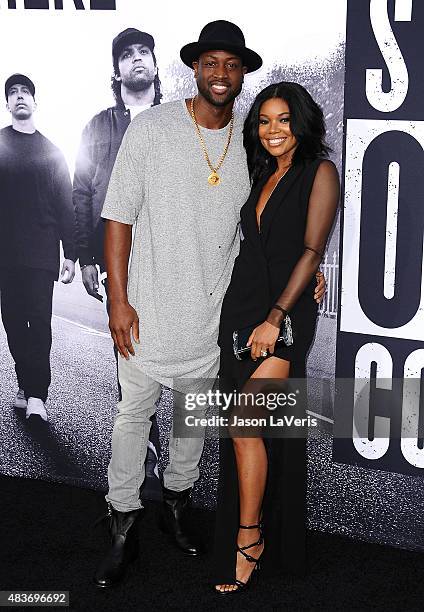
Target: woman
285 224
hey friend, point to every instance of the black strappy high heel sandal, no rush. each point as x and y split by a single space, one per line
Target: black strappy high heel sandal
242 586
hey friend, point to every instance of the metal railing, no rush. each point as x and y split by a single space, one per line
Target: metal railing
330 269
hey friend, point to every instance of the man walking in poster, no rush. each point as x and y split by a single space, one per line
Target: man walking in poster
36 213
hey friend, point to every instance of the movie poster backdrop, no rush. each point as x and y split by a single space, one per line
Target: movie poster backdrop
65 47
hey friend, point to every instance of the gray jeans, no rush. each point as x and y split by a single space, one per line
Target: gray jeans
130 437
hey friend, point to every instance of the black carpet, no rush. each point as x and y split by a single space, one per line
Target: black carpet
48 543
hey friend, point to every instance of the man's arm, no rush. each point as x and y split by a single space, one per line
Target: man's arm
123 203
62 195
122 316
82 194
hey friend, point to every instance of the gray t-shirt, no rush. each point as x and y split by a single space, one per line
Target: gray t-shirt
185 238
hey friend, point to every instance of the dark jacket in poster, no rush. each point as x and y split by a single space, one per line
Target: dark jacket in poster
99 147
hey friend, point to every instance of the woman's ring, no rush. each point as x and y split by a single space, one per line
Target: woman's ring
264 353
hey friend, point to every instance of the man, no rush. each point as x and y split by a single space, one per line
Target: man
136 86
181 178
36 213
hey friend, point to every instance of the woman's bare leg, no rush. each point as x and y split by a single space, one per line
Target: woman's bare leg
252 468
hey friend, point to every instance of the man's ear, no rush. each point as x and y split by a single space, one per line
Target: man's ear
195 68
244 69
117 77
7 106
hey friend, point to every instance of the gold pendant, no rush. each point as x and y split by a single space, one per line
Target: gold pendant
213 179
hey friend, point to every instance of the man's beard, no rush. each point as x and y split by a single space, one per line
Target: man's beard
140 82
230 97
22 113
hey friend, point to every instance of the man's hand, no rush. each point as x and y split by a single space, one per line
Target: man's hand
90 279
122 319
68 271
320 288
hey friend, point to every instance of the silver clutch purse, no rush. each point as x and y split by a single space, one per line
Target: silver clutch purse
241 336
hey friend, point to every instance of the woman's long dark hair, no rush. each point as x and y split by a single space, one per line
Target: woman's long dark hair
306 123
116 85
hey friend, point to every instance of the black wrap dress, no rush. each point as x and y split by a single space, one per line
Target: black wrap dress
268 269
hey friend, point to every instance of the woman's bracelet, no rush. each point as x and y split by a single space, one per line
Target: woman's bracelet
274 318
281 309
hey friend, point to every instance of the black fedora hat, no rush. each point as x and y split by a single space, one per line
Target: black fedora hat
221 36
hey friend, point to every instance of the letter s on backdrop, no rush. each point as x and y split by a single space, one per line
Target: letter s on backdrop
389 101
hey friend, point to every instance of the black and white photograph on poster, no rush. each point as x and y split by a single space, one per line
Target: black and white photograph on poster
73 83
94 91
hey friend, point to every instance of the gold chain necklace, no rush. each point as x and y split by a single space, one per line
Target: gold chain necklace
213 178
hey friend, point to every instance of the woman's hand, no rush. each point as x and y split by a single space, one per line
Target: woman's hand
263 338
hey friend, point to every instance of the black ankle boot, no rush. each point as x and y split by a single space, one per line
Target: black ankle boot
123 550
174 505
